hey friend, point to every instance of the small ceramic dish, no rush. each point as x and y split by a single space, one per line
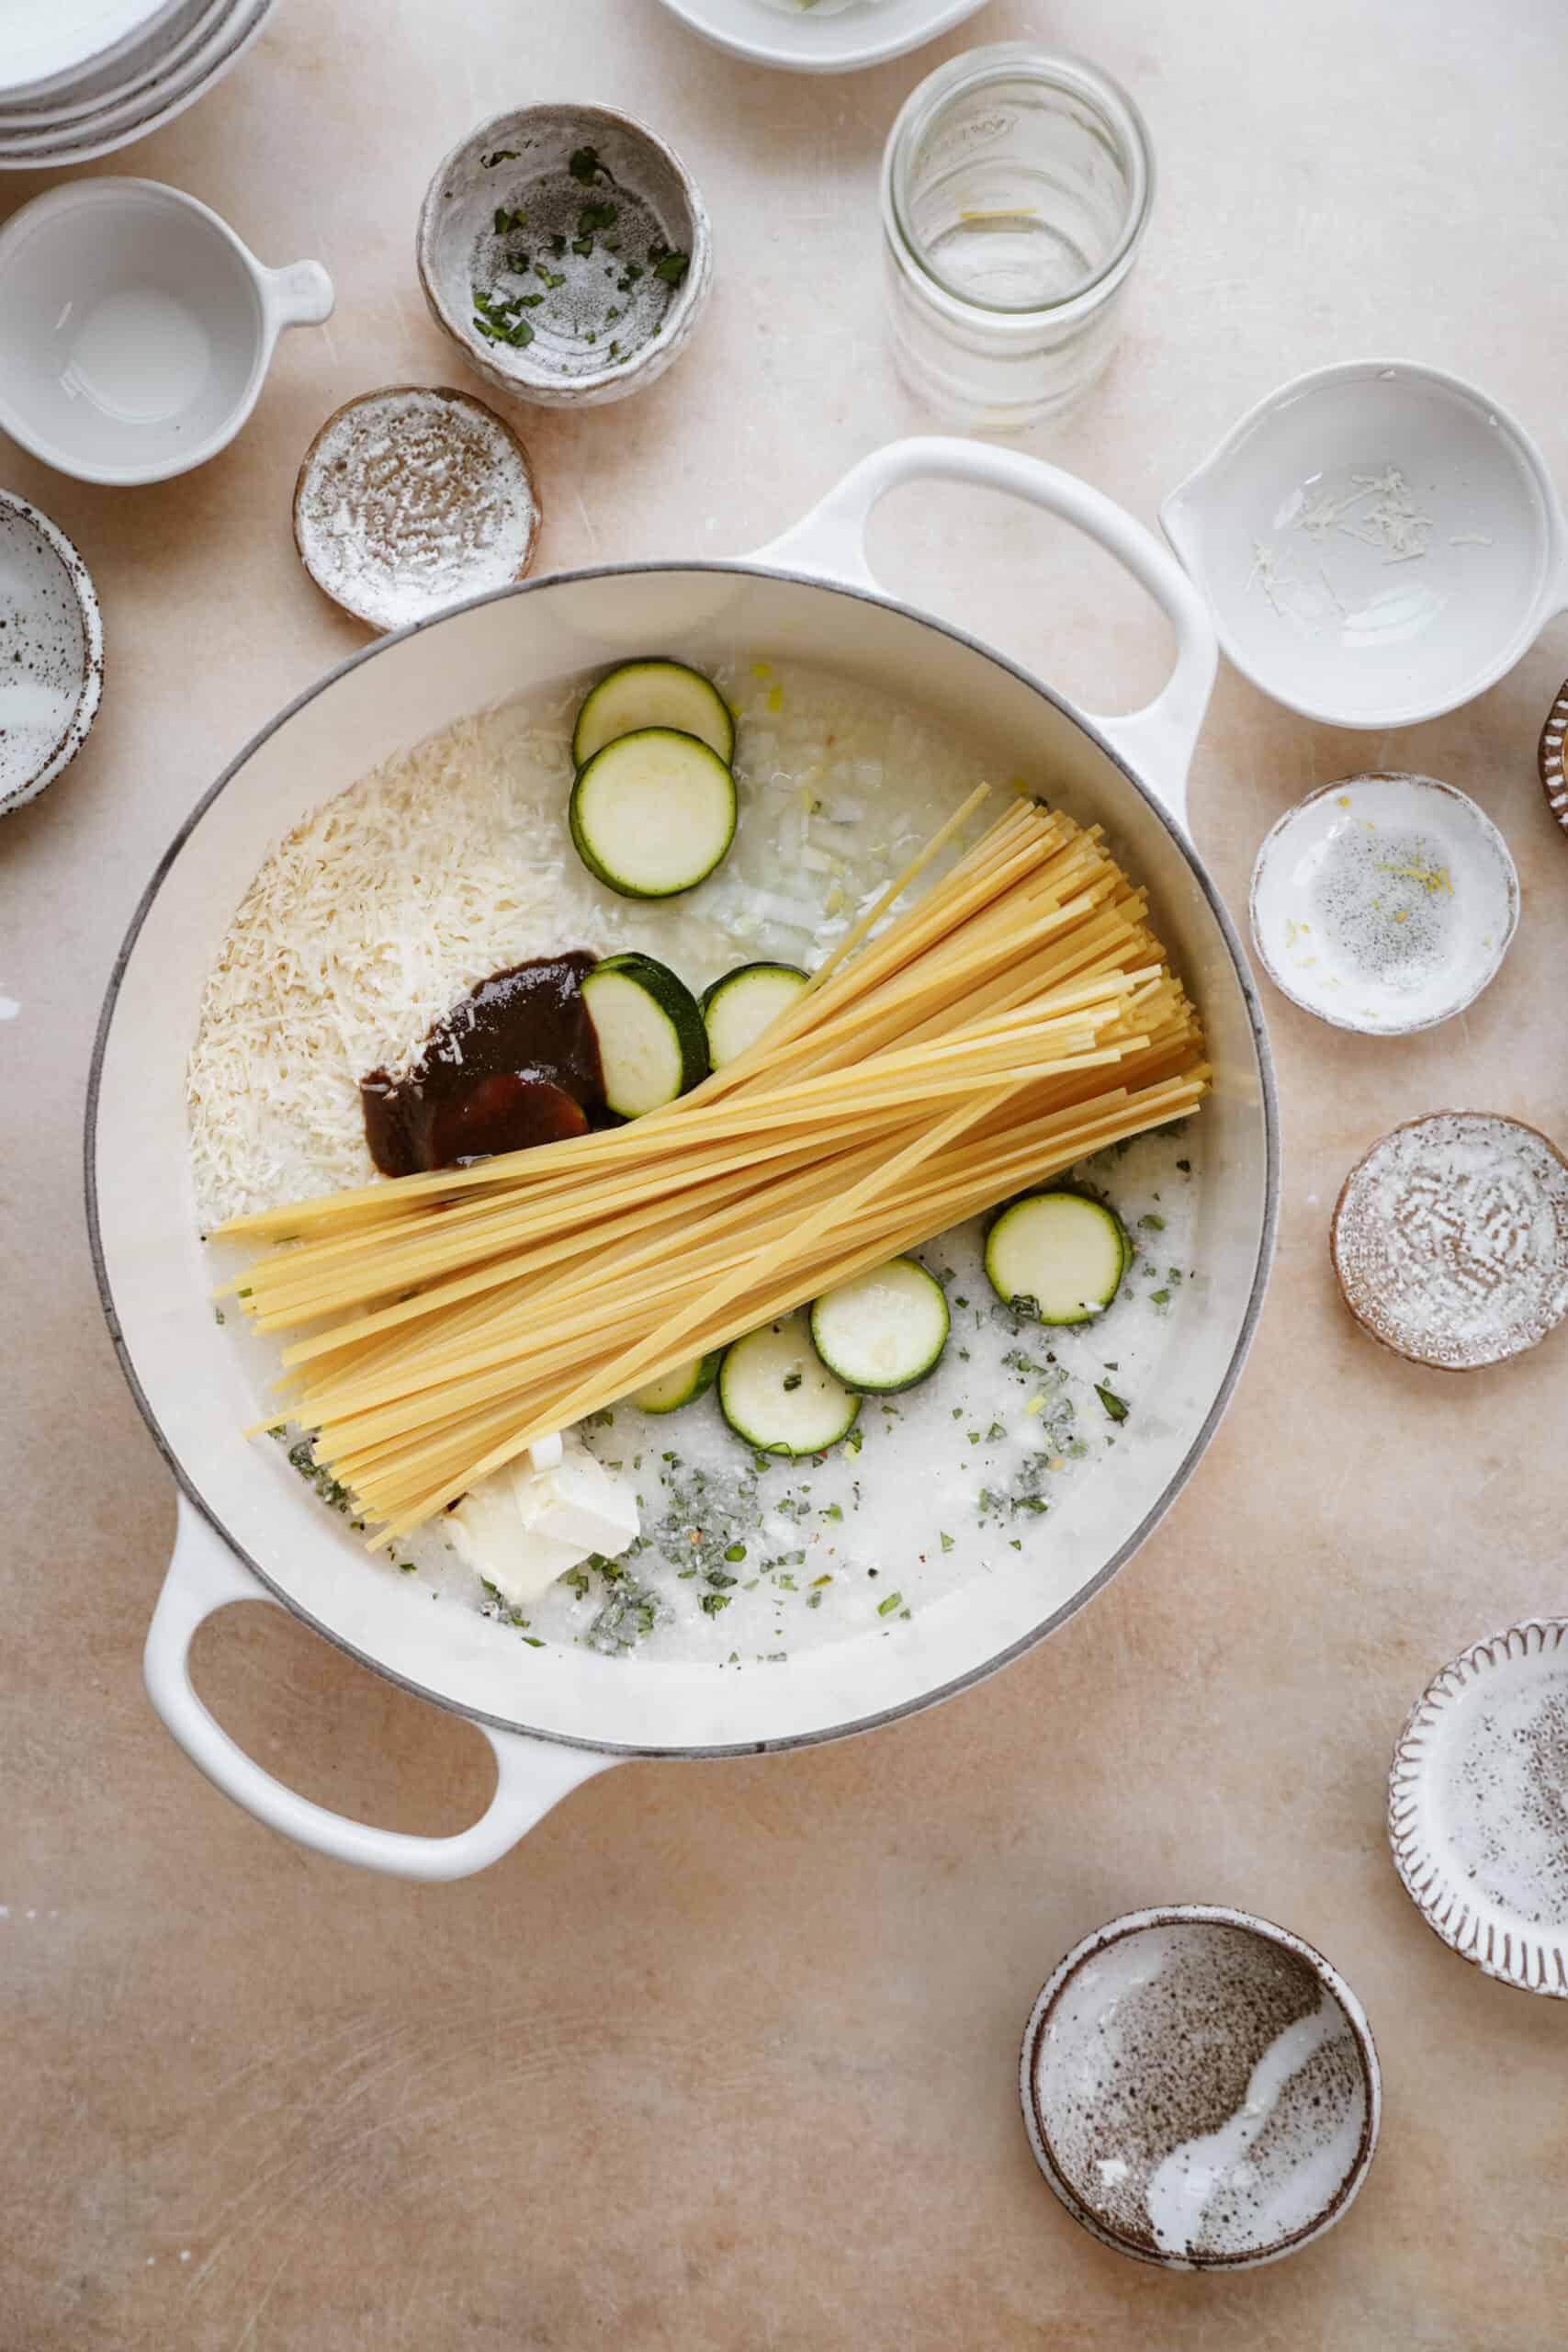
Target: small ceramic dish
1450 1239
146 101
823 37
1379 543
140 328
565 251
1383 903
411 499
1478 1805
51 652
1553 758
1200 2089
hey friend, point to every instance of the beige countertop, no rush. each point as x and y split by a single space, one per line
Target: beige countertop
723 2057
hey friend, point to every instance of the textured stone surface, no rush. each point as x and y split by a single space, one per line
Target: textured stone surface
724 2057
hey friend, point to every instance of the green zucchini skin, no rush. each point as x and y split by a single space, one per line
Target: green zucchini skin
680 1387
653 813
884 1330
652 691
653 1043
747 1001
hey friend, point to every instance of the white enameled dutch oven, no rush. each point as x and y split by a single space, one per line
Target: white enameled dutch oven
249 1528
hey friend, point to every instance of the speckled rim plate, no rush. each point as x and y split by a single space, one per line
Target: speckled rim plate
1553 758
1445 1885
80 724
1177 1915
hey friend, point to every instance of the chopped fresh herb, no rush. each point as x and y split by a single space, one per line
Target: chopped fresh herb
557 243
736 1552
720 1579
584 164
834 1510
1117 1406
583 245
628 1616
552 277
946 1541
672 267
612 314
579 1580
506 221
885 1608
1029 1502
500 155
1185 1166
615 351
406 1567
597 216
854 1440
813 1600
1151 1224
533 1641
218 1312
820 1581
1160 1297
793 1380
712 1602
994 1431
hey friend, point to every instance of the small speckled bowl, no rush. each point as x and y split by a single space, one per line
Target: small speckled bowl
565 250
1450 1239
1553 758
1385 903
410 499
1200 2089
1478 1805
51 651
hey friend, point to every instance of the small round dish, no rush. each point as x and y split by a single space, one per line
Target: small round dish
411 499
1385 903
565 251
51 652
826 36
1553 758
1477 1819
1450 1239
1378 542
1200 2089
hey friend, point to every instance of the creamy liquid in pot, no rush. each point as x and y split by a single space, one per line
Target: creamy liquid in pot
748 1560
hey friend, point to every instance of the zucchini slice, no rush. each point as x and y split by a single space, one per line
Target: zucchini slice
775 1392
652 1043
653 813
884 1330
1057 1255
682 1386
745 1003
653 693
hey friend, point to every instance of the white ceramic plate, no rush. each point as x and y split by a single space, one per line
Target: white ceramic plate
135 117
1379 543
44 43
143 64
1385 903
827 38
1475 1806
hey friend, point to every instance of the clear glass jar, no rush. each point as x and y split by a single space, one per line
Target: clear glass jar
1016 188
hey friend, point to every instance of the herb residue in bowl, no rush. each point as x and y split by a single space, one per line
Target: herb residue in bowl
578 263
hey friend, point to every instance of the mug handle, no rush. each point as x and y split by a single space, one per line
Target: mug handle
301 295
1157 741
204 1576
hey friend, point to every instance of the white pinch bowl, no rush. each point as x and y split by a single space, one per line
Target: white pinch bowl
1477 1820
51 651
831 37
140 329
1300 557
1200 2089
523 160
1383 903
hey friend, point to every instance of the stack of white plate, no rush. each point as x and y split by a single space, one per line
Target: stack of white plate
79 78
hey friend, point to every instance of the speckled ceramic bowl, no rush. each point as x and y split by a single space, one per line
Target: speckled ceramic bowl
51 651
1385 903
565 250
1553 758
1478 1805
1200 2089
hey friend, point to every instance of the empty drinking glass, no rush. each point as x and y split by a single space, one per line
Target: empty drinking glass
1016 188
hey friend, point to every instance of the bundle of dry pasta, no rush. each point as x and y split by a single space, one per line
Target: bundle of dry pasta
1019 1017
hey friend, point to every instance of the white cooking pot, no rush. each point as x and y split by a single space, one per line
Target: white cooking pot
249 1529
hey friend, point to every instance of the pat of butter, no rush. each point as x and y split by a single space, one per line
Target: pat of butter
579 1502
525 1527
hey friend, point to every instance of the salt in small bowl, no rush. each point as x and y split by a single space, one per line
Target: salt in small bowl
1200 2089
1478 1805
51 651
1385 903
565 251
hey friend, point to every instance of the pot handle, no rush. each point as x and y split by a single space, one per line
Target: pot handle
1157 740
204 1576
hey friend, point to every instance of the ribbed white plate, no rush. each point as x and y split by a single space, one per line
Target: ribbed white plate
147 61
116 127
1478 1805
46 42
